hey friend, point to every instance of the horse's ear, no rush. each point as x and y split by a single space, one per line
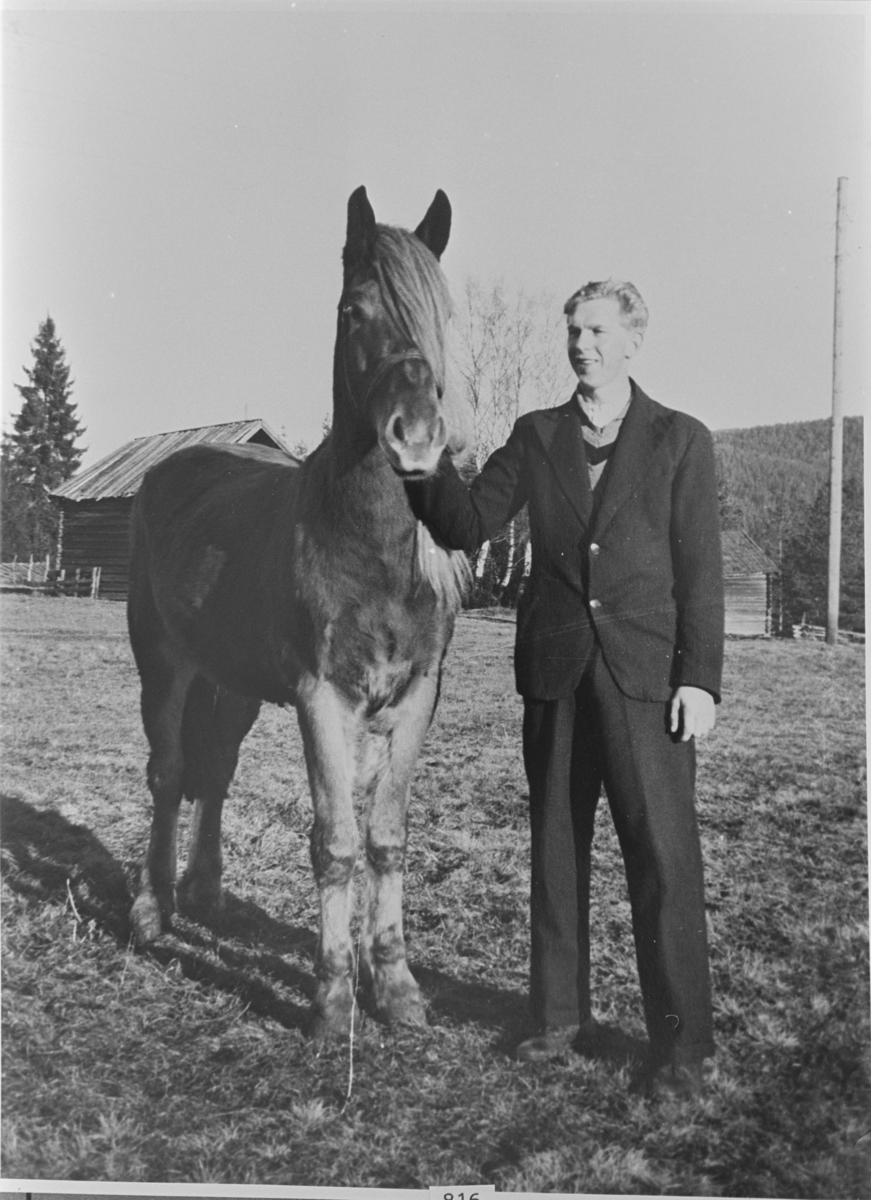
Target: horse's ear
435 228
361 228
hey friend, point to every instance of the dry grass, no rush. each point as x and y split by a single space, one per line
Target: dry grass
188 1062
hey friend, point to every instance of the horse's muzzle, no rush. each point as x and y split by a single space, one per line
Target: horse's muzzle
413 444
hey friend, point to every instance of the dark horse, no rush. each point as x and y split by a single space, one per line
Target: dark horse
256 579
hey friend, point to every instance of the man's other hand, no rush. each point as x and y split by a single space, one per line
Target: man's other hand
691 713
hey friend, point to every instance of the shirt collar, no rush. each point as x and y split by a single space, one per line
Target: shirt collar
588 410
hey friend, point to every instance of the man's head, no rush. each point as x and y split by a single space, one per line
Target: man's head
606 323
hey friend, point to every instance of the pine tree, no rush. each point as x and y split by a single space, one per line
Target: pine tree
40 453
805 561
731 510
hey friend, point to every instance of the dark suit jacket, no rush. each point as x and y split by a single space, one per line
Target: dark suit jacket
636 569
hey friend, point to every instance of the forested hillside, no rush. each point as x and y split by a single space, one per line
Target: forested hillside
774 483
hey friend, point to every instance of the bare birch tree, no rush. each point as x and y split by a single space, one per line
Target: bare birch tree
512 356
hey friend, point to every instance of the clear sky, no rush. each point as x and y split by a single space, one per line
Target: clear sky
175 183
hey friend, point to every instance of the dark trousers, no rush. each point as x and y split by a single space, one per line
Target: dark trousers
572 746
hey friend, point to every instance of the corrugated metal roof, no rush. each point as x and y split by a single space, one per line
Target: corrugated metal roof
741 555
120 473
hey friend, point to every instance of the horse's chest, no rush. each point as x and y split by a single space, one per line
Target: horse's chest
373 653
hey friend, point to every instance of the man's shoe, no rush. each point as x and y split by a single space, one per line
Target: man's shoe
677 1081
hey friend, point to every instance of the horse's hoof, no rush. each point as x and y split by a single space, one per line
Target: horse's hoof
403 1005
408 1011
200 898
148 918
334 1012
333 1026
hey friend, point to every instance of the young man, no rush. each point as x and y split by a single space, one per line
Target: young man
618 658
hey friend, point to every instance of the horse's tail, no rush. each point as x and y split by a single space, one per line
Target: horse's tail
140 599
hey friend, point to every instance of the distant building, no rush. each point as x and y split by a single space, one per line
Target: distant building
95 504
749 577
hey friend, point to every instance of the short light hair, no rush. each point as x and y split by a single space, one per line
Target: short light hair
633 310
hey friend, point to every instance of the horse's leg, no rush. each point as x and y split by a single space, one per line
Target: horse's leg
165 685
216 721
327 725
395 993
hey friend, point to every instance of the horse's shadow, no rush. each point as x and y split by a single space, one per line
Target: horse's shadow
243 950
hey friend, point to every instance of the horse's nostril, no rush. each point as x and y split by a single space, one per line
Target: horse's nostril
398 429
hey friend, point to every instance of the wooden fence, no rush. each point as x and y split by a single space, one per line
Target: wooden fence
83 581
20 574
817 633
40 577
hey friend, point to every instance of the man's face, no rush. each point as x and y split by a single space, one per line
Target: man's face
600 345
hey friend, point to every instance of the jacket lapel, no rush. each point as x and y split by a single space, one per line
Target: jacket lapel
636 444
560 432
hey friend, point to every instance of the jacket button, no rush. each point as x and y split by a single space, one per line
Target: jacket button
594 547
595 604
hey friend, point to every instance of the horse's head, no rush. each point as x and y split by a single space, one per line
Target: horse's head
392 328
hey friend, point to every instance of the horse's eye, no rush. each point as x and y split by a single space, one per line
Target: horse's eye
353 312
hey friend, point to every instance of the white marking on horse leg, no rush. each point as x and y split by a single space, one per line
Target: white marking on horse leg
328 728
396 994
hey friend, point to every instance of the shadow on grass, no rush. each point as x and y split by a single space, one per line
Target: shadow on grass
241 950
475 1003
609 1043
507 1014
48 858
43 850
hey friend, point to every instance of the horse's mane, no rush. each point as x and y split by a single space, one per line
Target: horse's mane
415 293
446 571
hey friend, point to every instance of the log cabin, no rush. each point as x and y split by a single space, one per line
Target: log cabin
95 504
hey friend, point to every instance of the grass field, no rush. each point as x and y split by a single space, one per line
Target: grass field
187 1062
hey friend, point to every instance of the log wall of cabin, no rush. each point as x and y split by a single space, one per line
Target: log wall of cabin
96 533
747 608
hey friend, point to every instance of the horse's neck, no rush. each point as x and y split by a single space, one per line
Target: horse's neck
358 492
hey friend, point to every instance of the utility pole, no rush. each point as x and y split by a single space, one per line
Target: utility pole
836 473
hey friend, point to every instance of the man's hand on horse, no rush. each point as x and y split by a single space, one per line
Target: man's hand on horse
691 713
